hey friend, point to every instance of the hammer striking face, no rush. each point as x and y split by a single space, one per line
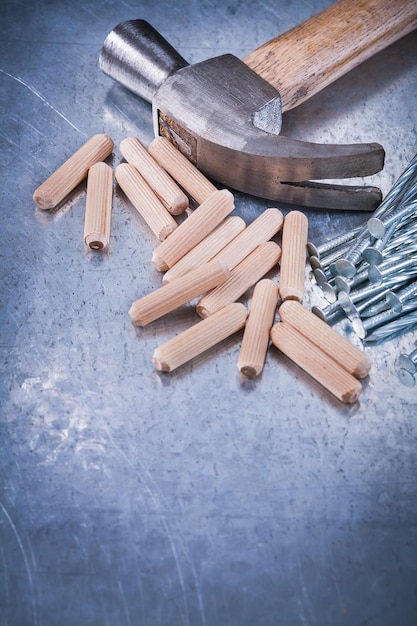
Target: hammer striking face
226 119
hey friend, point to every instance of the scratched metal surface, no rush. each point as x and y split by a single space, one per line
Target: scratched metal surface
197 498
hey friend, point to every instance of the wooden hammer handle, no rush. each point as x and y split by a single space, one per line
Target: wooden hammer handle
310 56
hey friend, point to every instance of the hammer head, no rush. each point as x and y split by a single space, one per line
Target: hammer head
226 119
216 109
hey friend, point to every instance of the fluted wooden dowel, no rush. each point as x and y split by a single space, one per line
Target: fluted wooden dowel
181 169
258 328
169 297
98 206
193 229
147 204
242 277
261 230
315 362
293 259
199 338
207 248
64 179
169 193
326 338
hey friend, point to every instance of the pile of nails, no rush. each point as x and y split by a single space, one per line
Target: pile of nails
369 274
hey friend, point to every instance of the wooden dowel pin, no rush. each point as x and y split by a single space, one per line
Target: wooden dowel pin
242 277
207 248
265 226
293 259
194 229
315 362
169 297
200 337
258 328
137 190
98 206
326 338
181 169
64 180
169 193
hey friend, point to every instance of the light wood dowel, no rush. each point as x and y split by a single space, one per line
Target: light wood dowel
98 206
137 190
169 297
194 229
258 328
207 248
261 230
326 338
294 254
199 338
242 277
181 169
315 362
169 193
64 180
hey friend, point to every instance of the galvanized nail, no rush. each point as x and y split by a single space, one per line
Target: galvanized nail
376 273
409 361
396 299
362 327
328 313
346 266
333 243
399 189
378 225
373 254
406 378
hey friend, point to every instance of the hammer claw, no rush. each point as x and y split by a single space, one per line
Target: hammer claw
339 197
280 168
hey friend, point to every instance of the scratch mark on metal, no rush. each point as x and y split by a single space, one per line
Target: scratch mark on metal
13 143
167 529
304 602
44 100
125 606
26 561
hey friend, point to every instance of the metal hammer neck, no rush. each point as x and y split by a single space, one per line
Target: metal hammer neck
137 56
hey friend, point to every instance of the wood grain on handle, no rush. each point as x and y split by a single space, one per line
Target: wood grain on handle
310 56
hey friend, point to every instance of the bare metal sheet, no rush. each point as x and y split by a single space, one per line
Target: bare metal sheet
195 498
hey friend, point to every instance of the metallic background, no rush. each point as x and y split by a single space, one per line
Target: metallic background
194 498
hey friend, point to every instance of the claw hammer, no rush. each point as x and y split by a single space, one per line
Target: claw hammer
225 114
